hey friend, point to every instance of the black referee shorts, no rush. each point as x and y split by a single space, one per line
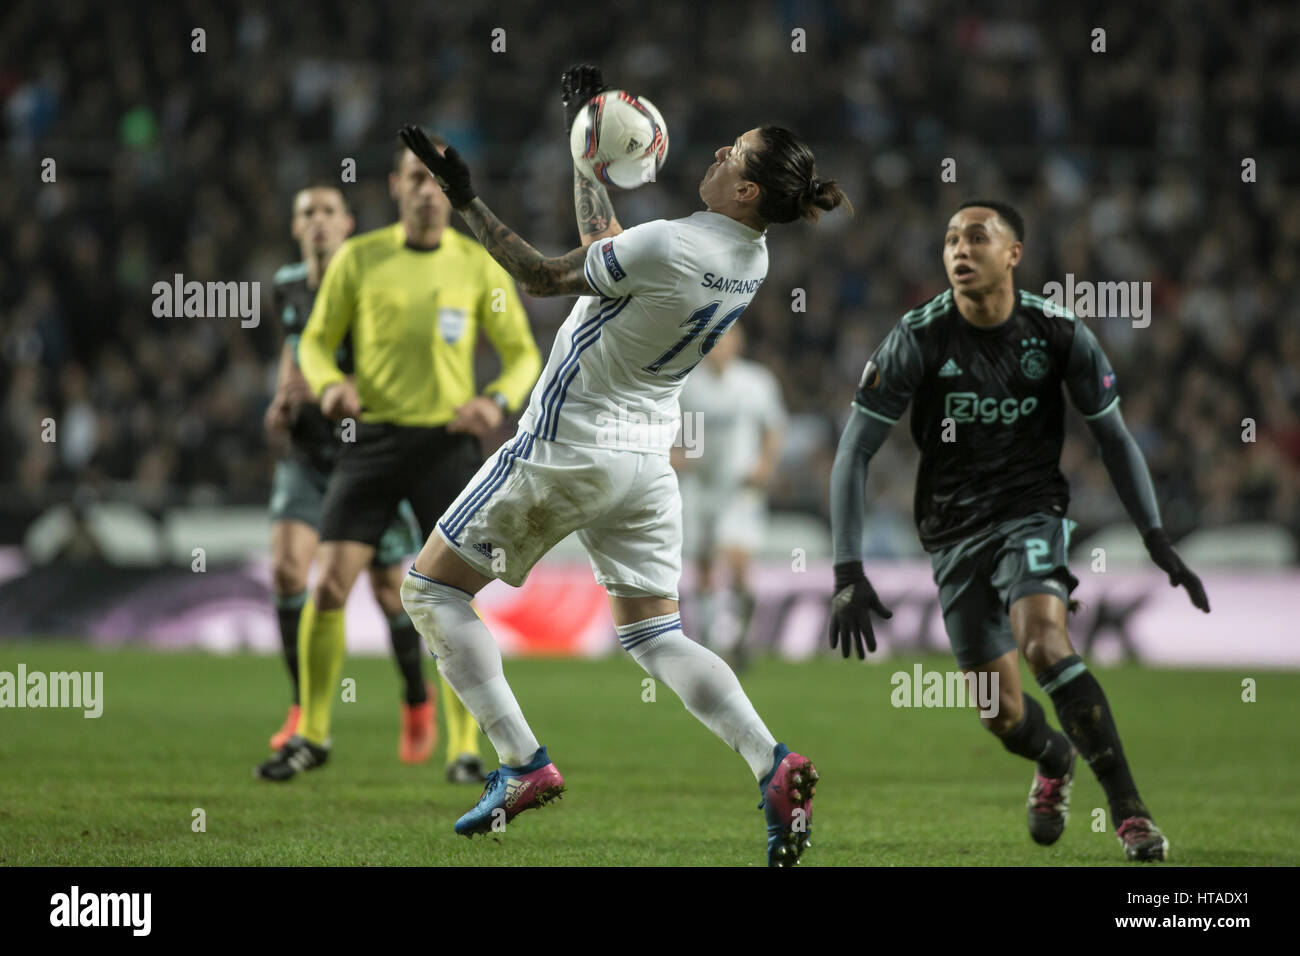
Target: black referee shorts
427 466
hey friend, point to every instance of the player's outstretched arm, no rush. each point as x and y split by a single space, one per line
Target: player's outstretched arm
1132 480
1127 468
855 598
593 209
539 275
1091 383
591 203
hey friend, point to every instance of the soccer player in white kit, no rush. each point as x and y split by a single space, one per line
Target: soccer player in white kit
734 414
591 454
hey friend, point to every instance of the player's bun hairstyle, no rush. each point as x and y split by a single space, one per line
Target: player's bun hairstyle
786 174
1006 213
402 150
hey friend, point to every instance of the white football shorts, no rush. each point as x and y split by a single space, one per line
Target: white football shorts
531 494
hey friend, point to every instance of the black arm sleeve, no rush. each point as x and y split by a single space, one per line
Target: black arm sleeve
1127 468
1089 377
862 437
1090 380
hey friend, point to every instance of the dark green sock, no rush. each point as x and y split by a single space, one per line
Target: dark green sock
407 651
1033 739
1085 717
288 610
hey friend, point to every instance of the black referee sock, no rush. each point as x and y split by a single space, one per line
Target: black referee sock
406 650
288 610
1085 716
1033 739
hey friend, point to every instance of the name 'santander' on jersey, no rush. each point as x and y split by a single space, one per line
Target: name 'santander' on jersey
669 289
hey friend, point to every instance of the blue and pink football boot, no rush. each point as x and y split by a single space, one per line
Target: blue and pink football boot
787 803
510 791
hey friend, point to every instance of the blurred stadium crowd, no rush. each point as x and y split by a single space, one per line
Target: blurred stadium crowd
1127 165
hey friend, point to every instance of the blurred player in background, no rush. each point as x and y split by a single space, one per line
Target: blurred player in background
653 300
734 407
983 366
412 298
321 222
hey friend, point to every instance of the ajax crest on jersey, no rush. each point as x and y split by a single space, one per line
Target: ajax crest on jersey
619 139
1033 362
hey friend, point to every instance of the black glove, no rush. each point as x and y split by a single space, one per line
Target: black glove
578 85
1180 575
449 169
850 620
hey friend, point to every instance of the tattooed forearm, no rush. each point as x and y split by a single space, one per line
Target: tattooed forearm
538 274
592 206
521 260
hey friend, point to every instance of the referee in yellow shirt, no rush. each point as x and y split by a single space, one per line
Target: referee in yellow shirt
413 297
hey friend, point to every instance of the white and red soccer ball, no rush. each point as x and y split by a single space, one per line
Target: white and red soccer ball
619 139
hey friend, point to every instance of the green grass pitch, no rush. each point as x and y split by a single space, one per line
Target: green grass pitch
647 785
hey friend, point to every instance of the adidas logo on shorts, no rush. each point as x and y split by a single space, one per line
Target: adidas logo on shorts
484 549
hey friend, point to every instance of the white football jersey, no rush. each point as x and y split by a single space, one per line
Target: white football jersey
668 290
733 408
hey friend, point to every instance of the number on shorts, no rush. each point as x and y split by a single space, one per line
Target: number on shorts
1037 549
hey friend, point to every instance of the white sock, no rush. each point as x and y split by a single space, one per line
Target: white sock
469 659
705 684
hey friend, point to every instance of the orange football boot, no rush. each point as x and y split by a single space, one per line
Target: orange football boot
419 728
288 730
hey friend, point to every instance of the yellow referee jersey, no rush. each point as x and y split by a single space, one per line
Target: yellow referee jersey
414 318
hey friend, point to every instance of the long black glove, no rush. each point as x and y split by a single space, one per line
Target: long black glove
448 168
850 618
579 84
1180 575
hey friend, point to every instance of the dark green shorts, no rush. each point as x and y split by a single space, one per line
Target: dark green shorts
980 578
297 494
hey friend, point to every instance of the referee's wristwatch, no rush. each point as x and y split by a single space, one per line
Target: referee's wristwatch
502 402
